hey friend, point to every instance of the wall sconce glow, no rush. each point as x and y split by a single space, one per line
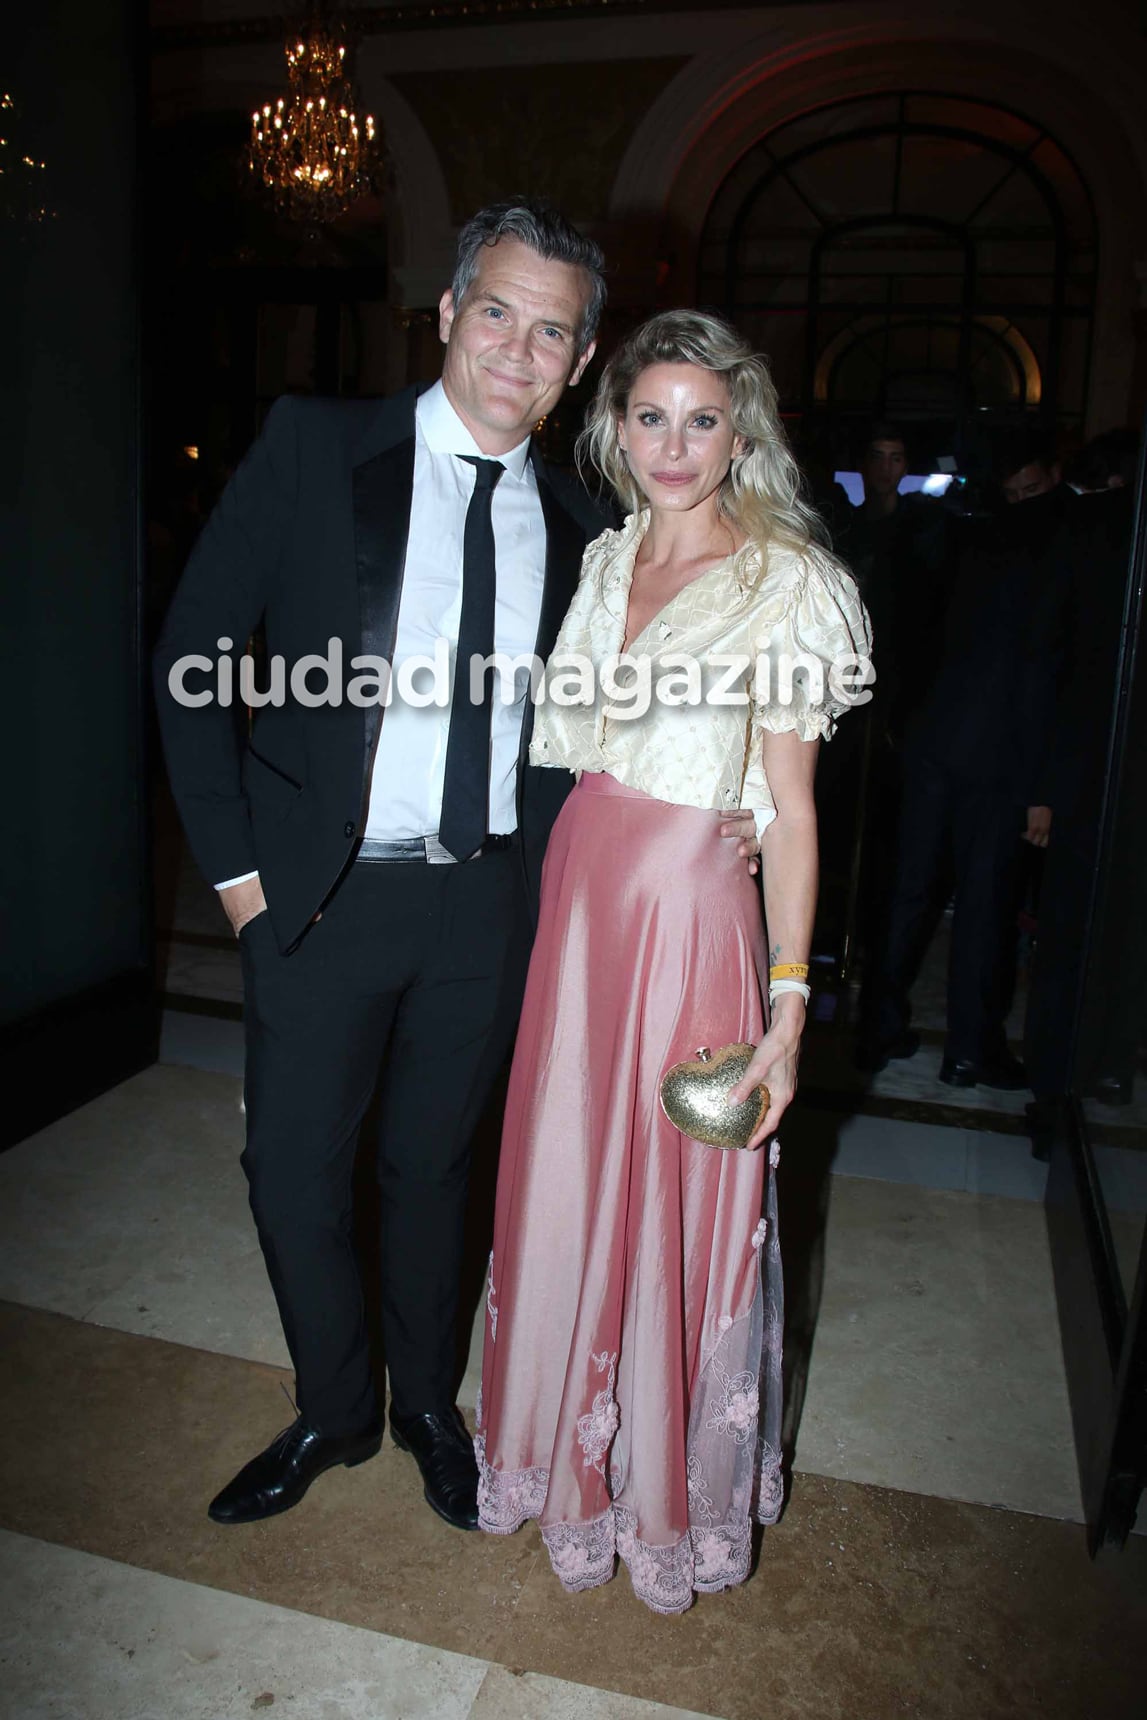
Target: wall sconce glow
22 198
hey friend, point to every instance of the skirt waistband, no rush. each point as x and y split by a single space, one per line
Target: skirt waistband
600 782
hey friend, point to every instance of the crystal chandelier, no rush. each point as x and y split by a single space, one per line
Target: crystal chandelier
310 149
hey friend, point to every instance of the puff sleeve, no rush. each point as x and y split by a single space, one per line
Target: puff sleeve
811 623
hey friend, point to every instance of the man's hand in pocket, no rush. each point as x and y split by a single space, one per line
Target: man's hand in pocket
241 902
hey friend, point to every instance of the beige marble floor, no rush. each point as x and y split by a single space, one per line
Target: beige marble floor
864 1602
89 1638
934 1364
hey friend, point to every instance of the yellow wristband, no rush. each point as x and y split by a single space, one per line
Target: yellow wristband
789 970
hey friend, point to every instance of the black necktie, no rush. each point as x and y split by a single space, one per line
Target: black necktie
466 790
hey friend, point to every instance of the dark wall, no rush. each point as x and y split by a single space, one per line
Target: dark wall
75 994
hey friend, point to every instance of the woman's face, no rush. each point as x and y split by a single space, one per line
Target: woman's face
678 435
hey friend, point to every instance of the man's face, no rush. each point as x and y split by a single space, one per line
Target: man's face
1034 479
883 466
511 345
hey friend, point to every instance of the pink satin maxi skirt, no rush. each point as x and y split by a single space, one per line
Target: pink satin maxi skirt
631 1383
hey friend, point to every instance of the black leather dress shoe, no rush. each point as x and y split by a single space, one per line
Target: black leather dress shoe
1007 1075
279 1476
444 1451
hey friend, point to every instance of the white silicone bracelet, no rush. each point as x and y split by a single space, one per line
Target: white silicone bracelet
780 985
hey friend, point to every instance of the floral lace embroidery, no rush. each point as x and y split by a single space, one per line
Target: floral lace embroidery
507 1497
721 1556
760 1233
662 1577
491 1304
775 1152
479 1417
770 1485
596 1430
581 1553
735 1411
700 1504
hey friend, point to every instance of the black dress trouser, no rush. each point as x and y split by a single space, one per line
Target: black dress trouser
973 827
421 966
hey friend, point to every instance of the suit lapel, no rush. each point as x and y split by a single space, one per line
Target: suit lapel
382 489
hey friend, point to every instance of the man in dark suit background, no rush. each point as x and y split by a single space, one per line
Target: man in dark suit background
975 778
380 865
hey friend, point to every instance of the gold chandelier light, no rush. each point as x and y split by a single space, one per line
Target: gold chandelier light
310 149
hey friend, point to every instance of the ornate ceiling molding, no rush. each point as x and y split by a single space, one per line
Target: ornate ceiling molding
436 15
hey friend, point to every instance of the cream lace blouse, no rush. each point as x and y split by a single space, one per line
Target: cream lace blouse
699 752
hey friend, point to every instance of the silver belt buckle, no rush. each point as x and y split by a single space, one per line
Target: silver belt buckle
436 855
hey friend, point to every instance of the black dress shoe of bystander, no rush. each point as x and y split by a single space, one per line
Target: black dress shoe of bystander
1006 1075
1112 1089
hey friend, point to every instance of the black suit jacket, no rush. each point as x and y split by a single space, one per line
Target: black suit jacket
310 538
989 714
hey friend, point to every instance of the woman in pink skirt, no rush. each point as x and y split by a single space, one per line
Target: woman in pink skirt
631 1383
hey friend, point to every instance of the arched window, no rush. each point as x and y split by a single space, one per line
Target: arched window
912 255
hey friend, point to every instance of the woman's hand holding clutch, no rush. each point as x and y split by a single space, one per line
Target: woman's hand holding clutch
775 1064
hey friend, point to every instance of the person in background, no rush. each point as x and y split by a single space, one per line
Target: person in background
1110 461
899 549
975 779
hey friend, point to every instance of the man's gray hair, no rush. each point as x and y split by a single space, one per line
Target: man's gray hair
547 233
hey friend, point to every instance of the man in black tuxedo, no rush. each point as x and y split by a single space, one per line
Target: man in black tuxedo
380 865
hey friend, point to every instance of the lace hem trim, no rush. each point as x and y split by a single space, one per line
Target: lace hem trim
507 1499
769 1486
706 1559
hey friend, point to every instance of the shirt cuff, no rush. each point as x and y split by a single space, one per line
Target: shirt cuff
227 882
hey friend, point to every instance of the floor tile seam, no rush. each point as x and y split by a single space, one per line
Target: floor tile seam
900 1108
156 1570
8 1303
485 1667
189 1003
163 1577
495 1660
1077 1522
940 1188
641 1703
85 1318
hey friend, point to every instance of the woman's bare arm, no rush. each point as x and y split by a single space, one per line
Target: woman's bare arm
789 857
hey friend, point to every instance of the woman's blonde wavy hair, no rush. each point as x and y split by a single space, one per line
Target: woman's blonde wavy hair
763 492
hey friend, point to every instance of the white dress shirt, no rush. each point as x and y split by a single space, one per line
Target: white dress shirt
410 762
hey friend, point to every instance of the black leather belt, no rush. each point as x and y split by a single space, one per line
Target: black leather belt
427 849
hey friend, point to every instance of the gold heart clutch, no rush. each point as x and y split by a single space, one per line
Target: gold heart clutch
695 1097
